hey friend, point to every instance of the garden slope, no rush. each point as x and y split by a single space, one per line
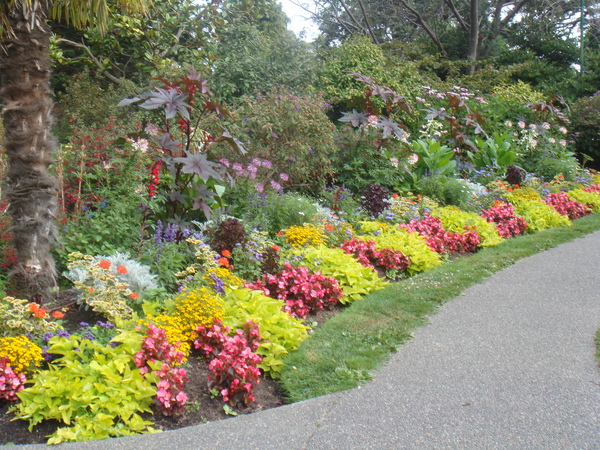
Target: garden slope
508 363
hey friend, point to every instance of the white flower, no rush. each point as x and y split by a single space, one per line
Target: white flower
521 125
508 123
546 126
563 130
394 162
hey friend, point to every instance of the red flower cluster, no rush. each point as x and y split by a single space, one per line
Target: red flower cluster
593 188
507 222
365 251
10 382
564 205
302 291
155 177
170 397
442 241
232 360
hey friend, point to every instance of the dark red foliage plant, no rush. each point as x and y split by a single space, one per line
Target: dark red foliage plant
507 222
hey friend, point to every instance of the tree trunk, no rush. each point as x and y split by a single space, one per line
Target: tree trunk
31 190
473 36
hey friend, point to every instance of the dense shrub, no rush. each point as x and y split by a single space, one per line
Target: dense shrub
374 199
585 118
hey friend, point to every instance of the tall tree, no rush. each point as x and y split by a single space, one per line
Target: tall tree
27 114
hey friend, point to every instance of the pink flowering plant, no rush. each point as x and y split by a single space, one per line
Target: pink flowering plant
441 241
303 291
387 260
10 382
566 206
231 359
158 357
508 223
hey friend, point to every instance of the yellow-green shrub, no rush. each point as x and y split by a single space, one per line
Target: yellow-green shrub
537 214
412 245
587 198
455 220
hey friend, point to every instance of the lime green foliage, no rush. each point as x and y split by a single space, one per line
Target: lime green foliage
17 318
537 214
355 279
455 220
412 245
280 332
94 389
587 198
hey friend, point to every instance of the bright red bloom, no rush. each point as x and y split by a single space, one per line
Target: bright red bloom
122 270
104 264
226 253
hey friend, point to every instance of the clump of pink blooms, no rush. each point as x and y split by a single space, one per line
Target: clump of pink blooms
232 360
593 188
170 397
10 382
302 291
366 253
507 222
441 241
566 206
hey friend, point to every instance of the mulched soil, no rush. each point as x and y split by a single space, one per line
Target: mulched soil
202 406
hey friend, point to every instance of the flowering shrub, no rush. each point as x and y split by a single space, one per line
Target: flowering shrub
232 360
23 354
10 381
566 206
507 222
300 236
366 253
20 317
302 290
170 397
593 188
410 207
441 241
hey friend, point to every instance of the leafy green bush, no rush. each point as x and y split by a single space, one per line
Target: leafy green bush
280 332
455 220
447 190
538 214
292 132
585 118
410 244
549 168
355 280
94 389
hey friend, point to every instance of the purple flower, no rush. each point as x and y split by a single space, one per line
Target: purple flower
275 185
89 335
84 324
292 159
284 176
63 333
274 134
310 150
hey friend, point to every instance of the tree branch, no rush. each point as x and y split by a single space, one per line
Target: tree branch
94 60
425 26
456 14
364 13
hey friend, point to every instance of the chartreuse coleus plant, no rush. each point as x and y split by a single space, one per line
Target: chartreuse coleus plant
537 214
587 198
410 244
457 221
96 390
355 279
280 332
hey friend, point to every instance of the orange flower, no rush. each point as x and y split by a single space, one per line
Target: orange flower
226 253
329 227
134 296
40 313
394 195
122 269
104 264
224 262
58 315
275 247
33 307
516 186
509 189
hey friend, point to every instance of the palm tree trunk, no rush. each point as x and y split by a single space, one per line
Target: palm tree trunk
31 190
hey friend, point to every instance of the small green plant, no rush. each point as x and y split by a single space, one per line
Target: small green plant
434 158
493 152
94 389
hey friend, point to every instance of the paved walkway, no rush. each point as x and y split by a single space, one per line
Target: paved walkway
508 364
